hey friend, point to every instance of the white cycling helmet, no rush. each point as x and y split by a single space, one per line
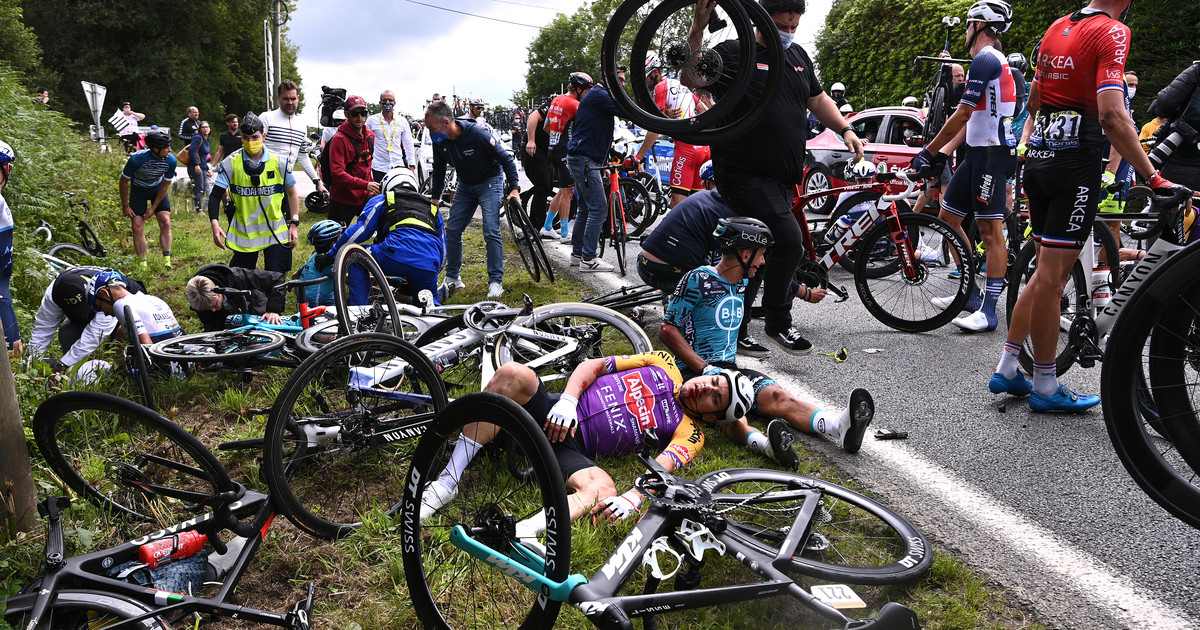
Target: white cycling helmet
651 60
741 395
864 169
7 155
400 177
706 171
909 101
995 13
846 109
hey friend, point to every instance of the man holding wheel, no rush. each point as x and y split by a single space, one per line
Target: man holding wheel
758 178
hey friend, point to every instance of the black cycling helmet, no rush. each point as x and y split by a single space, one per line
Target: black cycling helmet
1018 61
738 233
158 140
317 202
250 124
581 80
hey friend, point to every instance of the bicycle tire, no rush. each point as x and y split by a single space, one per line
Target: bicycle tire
90 241
320 335
521 239
220 345
617 229
384 315
855 540
1075 298
639 206
936 118
70 252
127 459
539 251
904 303
137 364
1146 336
448 585
342 430
75 609
658 202
1138 199
589 323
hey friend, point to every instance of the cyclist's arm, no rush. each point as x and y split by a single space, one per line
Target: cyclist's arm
676 315
1119 129
367 224
162 193
695 36
93 335
123 186
678 346
1032 106
647 146
949 131
45 323
584 375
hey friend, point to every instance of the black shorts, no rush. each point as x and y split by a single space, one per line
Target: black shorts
658 275
978 186
140 199
1064 191
562 176
570 452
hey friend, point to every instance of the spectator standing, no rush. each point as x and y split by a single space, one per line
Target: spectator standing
144 183
230 139
130 133
350 160
535 159
198 168
189 125
478 158
43 97
287 135
258 181
394 143
8 319
591 138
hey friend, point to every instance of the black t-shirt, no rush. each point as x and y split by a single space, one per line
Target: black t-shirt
230 142
541 138
773 146
69 292
683 238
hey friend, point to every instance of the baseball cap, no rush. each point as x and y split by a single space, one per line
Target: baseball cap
354 102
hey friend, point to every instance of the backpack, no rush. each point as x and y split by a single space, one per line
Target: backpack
323 160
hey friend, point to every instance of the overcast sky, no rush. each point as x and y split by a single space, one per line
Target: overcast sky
367 46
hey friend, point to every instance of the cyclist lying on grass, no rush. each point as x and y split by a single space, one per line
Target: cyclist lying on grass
602 411
701 327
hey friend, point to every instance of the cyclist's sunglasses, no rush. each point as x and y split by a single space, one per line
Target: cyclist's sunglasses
358 112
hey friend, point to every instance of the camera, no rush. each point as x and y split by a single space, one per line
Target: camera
332 99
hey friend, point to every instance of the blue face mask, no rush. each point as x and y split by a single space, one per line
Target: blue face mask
786 39
437 137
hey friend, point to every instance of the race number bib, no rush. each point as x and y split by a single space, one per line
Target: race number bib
1057 130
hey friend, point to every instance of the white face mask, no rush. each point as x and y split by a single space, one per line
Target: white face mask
1132 91
786 38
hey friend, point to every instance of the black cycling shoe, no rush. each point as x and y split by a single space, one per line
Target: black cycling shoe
791 342
749 347
862 411
781 438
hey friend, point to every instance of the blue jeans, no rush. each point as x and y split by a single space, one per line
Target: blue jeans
467 197
593 207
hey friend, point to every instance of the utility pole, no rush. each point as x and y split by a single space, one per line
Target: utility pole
17 495
278 17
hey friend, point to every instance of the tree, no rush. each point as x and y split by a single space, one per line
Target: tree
20 49
568 44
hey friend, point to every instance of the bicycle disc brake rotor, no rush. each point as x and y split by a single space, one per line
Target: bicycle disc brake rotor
707 68
674 53
677 495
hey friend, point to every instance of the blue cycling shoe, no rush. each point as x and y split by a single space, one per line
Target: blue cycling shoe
1062 400
1017 385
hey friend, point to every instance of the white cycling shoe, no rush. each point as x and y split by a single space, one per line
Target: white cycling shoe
976 322
435 497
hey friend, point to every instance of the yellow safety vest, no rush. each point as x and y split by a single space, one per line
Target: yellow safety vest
258 220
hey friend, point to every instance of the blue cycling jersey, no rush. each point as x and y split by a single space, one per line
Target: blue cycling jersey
147 171
708 309
317 294
405 245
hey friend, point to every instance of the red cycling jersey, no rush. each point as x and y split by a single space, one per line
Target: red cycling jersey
1081 55
559 116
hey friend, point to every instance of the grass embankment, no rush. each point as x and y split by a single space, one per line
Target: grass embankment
360 579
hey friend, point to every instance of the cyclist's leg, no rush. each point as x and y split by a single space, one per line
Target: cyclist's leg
991 168
163 216
417 277
957 203
139 201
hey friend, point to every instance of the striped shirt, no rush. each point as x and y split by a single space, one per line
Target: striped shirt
147 171
287 137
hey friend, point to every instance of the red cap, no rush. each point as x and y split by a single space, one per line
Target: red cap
354 102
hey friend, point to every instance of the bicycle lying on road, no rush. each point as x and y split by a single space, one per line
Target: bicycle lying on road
775 524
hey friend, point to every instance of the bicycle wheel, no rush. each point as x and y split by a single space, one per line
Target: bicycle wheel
595 331
900 301
358 281
90 241
449 587
521 238
127 459
617 225
71 253
135 358
887 262
462 370
1075 323
80 610
1156 335
343 428
221 345
637 29
639 206
851 537
936 118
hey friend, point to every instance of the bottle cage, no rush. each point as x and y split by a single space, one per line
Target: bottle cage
698 539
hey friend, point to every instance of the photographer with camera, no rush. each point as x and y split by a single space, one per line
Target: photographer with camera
287 135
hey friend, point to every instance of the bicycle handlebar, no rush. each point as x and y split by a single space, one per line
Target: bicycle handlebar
910 178
1167 205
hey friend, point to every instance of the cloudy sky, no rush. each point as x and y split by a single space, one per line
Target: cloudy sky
415 50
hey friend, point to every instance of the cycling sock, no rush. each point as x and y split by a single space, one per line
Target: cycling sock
758 443
828 424
548 224
566 226
1045 378
533 525
464 451
991 294
1009 360
166 253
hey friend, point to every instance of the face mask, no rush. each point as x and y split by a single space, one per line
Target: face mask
1132 91
387 107
437 137
786 38
253 147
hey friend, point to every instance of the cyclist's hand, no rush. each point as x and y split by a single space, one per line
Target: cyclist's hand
922 159
854 143
629 164
128 210
563 418
373 188
1163 186
531 148
272 318
150 212
219 236
619 508
1021 148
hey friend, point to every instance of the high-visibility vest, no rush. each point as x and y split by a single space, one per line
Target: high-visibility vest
258 220
405 208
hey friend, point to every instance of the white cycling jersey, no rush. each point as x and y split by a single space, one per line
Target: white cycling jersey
674 99
151 316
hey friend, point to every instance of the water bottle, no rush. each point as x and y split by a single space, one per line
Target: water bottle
838 228
1101 291
219 564
181 545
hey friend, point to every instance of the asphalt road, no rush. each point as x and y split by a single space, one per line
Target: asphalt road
1039 503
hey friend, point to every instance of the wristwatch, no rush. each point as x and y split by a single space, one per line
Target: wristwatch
295 220
842 133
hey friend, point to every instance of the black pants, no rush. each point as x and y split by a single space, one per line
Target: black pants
537 169
275 258
770 201
378 175
344 213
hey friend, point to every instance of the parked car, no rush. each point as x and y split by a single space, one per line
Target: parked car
890 134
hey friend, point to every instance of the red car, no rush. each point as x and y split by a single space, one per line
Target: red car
891 134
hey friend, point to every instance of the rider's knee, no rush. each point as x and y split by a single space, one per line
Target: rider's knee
515 381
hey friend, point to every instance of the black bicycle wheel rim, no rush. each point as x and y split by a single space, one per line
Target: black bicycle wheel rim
618 233
82 609
639 207
539 252
901 302
70 252
383 313
936 118
342 431
138 365
521 238
449 588
852 538
127 459
221 345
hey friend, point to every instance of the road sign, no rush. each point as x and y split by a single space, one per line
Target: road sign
94 93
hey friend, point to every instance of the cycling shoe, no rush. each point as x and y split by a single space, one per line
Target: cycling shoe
1064 400
1017 385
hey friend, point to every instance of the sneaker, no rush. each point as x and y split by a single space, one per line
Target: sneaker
495 290
749 347
565 239
791 342
453 284
943 303
929 255
1063 400
954 273
595 265
575 258
977 321
435 497
1017 385
549 235
167 261
862 411
781 438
